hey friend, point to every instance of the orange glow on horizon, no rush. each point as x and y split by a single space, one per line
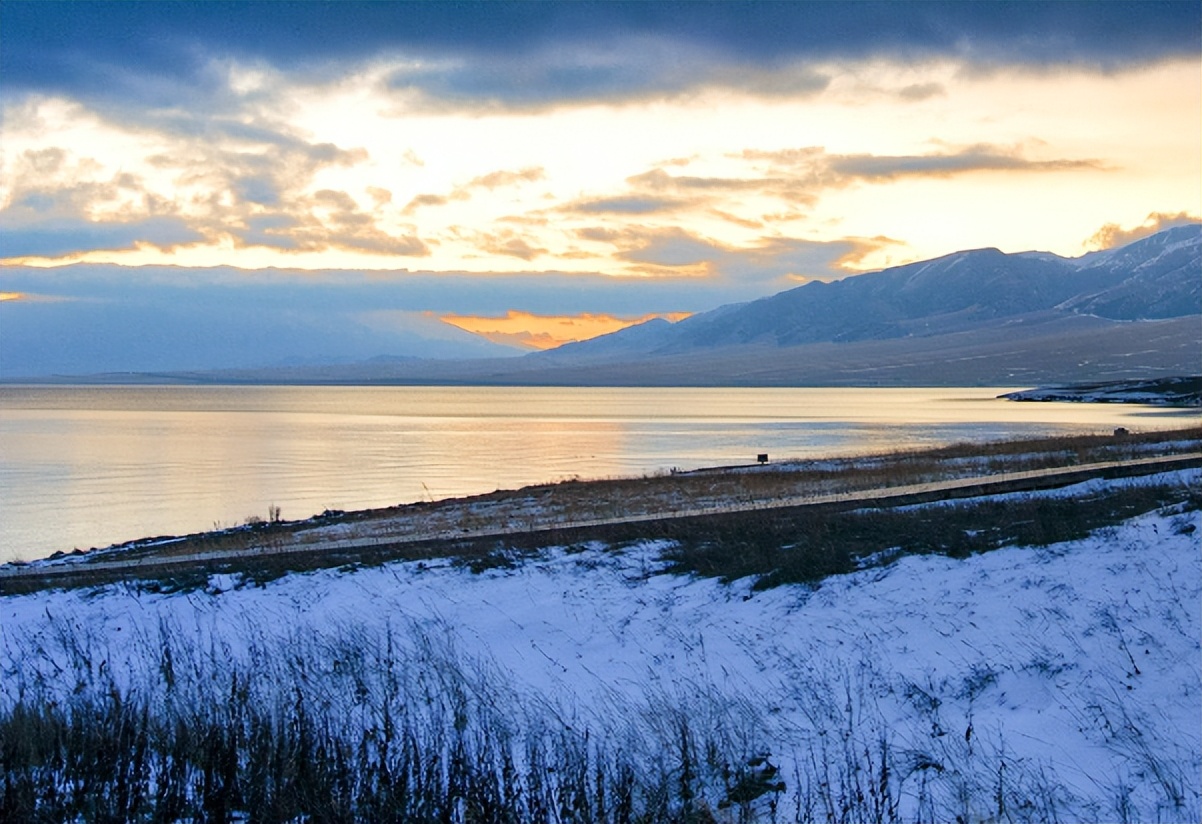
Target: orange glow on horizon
529 331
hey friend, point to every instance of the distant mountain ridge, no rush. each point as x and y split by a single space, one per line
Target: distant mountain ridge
974 318
1155 278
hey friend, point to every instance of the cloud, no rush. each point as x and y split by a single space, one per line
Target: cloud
628 205
247 186
53 188
768 260
257 190
658 193
494 180
272 170
799 176
491 181
328 220
431 329
814 168
696 192
982 158
99 317
659 180
270 231
624 68
60 237
420 201
333 219
228 111
803 260
530 331
539 293
203 330
659 251
271 204
507 244
26 297
736 220
379 196
793 176
921 91
1112 235
523 55
673 247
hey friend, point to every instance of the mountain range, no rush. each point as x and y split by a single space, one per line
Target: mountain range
979 317
1157 278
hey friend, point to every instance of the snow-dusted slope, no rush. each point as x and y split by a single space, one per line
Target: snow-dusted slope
1152 278
1068 674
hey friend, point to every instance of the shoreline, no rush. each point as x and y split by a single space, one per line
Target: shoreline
571 511
1175 393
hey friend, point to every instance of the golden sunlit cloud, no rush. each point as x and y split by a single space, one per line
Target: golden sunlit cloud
1113 235
10 296
529 331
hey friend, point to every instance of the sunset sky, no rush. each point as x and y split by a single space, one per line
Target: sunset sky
539 172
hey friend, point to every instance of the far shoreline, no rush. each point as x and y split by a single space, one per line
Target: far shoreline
1183 392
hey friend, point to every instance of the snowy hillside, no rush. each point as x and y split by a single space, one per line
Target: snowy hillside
1020 684
1152 278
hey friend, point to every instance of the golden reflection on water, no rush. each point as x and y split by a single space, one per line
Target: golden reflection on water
84 466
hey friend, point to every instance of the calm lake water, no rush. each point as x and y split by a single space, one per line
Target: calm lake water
91 466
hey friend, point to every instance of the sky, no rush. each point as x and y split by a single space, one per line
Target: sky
192 184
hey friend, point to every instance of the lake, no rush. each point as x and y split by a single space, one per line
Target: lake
90 466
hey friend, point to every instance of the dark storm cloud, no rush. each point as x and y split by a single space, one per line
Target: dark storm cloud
531 53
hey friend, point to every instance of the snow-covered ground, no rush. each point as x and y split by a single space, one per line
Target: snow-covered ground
1068 676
